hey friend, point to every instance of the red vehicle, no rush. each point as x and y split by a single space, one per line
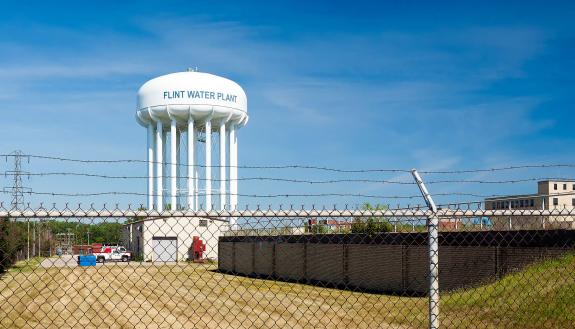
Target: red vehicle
113 254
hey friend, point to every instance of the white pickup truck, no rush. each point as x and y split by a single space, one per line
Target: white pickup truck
113 254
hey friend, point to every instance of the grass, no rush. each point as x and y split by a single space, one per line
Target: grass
194 296
187 296
541 296
26 265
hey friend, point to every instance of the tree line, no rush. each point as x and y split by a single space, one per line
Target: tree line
41 237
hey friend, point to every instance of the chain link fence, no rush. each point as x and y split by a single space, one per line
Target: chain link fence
318 268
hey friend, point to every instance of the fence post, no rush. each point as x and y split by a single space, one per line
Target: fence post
432 229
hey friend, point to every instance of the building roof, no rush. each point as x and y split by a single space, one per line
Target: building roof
559 180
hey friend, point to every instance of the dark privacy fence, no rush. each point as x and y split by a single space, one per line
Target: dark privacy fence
390 262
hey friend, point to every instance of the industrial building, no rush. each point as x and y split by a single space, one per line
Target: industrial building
551 195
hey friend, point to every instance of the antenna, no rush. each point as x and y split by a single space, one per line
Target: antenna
17 189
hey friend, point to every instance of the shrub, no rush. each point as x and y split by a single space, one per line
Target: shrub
371 225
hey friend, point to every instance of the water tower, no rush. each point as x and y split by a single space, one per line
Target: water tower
194 105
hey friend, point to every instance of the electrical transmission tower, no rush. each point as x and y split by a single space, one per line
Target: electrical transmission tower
17 189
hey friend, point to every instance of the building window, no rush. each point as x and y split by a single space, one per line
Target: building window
555 201
203 223
521 203
565 187
532 203
555 186
573 202
573 187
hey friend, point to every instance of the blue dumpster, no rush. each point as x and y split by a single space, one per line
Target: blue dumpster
87 260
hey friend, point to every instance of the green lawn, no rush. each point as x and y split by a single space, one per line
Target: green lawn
541 296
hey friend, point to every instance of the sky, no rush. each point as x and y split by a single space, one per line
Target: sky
349 85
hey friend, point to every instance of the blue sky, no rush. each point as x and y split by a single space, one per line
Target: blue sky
338 84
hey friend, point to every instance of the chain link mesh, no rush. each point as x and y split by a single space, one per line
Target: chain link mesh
285 268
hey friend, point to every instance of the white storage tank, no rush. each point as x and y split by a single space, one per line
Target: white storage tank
190 103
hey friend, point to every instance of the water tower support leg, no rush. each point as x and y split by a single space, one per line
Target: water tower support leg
196 172
191 164
222 165
173 165
208 165
159 169
150 166
233 174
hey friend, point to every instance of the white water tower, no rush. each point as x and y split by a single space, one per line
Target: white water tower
195 105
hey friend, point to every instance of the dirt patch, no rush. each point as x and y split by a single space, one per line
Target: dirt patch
188 296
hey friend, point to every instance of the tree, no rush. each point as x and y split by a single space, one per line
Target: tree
318 229
109 233
12 240
371 225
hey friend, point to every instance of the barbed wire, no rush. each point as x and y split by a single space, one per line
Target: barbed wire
214 166
281 195
287 195
303 181
467 171
324 168
275 179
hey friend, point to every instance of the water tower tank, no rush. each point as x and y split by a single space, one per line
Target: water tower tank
191 103
191 94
